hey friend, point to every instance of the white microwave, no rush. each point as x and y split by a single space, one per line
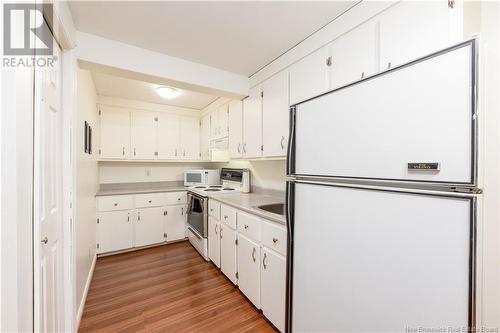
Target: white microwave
201 177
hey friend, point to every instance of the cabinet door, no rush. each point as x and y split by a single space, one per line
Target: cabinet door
228 252
353 55
235 129
205 138
214 240
214 125
115 231
190 139
410 30
223 114
249 269
143 135
175 223
168 137
252 124
275 115
149 226
310 77
115 133
272 284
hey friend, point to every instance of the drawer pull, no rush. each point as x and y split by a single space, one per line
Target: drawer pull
264 261
275 241
178 199
253 254
150 201
116 204
225 217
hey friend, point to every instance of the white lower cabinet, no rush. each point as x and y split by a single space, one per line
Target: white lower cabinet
214 241
174 227
115 231
228 253
272 287
249 269
149 226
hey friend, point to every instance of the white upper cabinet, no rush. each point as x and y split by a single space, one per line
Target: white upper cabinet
143 135
275 115
190 138
214 125
310 76
252 124
205 138
115 133
235 129
223 119
168 137
410 30
353 55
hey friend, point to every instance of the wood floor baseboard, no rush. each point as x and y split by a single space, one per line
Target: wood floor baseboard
85 293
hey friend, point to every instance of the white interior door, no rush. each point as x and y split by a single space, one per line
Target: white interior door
382 261
235 129
48 199
143 135
115 133
275 115
168 137
396 126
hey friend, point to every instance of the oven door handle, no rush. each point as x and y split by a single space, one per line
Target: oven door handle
194 233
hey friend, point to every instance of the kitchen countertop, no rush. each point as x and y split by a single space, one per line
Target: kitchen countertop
138 188
247 202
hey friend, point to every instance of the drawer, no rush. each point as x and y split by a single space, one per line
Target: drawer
214 209
175 198
228 216
273 236
249 225
149 200
115 202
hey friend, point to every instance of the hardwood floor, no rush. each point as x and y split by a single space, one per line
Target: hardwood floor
168 288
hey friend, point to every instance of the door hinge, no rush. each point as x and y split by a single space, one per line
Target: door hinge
156 153
156 118
262 94
97 221
165 235
451 4
237 275
165 213
262 148
97 245
99 111
236 241
467 190
99 152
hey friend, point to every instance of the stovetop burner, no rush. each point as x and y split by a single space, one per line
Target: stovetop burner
200 187
215 186
228 189
212 190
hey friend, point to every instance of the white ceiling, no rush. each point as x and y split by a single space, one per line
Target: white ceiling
240 37
114 86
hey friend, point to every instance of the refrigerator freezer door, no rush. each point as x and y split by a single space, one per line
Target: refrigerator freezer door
412 123
380 261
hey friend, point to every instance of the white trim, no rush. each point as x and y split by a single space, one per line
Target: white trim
85 292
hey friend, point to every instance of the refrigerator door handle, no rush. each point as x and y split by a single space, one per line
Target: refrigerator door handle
290 159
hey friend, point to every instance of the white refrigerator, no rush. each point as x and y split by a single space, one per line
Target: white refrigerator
381 200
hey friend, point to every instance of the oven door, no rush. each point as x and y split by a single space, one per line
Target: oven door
197 214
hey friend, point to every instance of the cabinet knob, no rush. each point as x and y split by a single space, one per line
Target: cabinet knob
225 217
275 241
246 226
150 201
45 240
115 204
329 61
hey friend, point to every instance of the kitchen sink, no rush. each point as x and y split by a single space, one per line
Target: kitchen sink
277 208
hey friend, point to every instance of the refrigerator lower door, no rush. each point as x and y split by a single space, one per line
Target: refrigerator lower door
364 260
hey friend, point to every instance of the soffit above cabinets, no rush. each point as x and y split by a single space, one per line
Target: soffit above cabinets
239 37
115 86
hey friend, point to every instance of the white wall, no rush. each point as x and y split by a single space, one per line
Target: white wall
87 182
138 172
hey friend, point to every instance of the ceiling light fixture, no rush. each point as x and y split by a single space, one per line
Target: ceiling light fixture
168 92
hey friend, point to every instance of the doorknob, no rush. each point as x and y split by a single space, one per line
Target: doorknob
45 240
